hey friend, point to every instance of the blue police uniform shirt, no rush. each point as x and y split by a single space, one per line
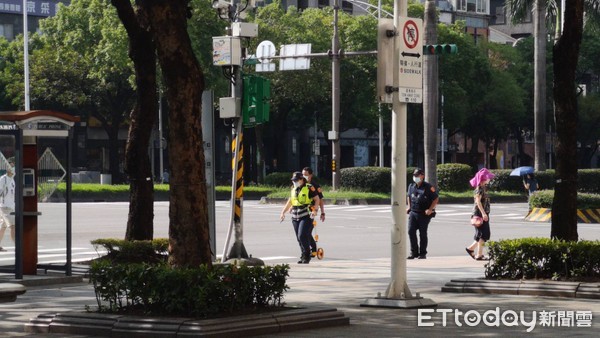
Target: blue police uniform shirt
421 197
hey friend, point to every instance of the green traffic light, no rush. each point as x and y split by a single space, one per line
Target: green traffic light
440 49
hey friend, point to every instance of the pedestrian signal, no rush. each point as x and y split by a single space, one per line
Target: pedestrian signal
440 49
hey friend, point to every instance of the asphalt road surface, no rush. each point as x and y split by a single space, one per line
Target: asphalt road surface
349 232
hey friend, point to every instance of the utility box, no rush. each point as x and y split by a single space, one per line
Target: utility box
230 107
244 29
227 51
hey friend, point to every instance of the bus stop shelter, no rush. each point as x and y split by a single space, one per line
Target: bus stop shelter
22 129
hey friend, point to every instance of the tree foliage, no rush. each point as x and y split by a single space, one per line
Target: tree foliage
80 65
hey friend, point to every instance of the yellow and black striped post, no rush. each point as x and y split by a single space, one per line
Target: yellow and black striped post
237 165
239 175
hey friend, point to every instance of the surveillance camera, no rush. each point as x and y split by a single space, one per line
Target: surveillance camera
219 4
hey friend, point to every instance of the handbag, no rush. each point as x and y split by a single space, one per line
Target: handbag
476 221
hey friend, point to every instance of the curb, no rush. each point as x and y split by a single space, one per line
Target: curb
96 324
524 287
545 214
44 280
10 291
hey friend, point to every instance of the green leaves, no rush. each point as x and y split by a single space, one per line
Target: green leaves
540 258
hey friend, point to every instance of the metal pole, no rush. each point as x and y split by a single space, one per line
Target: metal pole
69 210
316 148
18 204
160 137
335 99
442 132
26 55
379 105
398 287
398 294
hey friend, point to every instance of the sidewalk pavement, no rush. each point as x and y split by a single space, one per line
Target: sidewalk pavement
346 284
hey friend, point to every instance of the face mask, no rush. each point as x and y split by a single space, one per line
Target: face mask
306 178
296 184
417 179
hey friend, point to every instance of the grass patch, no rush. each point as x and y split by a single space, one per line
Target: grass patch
94 191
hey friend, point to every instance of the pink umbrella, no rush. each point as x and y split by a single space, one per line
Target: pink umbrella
481 176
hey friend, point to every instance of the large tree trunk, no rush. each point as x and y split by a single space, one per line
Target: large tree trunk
430 95
143 116
113 152
566 54
539 99
189 236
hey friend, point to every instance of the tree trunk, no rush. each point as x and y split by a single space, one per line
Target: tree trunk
474 152
113 152
566 53
539 98
189 237
140 222
260 154
430 95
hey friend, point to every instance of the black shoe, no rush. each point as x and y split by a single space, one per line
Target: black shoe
422 257
412 256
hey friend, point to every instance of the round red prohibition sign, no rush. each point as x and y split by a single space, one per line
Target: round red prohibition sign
410 34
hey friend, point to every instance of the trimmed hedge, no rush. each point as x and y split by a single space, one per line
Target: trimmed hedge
371 179
451 177
544 198
125 282
279 179
543 258
454 176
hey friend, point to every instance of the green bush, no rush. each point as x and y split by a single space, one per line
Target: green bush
544 198
279 179
541 258
589 180
454 176
370 179
157 289
504 182
122 251
134 276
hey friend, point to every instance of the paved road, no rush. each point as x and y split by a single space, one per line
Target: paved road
349 232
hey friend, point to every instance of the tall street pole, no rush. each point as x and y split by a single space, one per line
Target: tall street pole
26 55
334 134
398 294
379 105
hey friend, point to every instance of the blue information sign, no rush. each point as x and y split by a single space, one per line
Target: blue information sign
34 7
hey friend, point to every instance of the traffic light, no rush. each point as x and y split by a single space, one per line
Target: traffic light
440 49
255 100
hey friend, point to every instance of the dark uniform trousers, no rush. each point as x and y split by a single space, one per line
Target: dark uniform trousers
417 220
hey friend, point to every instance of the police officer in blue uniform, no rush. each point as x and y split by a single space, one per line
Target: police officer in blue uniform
421 201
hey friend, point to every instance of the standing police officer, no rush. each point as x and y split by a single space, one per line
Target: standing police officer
421 199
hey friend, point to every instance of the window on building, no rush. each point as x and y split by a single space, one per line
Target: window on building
347 7
6 30
482 6
302 4
500 15
323 3
475 6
